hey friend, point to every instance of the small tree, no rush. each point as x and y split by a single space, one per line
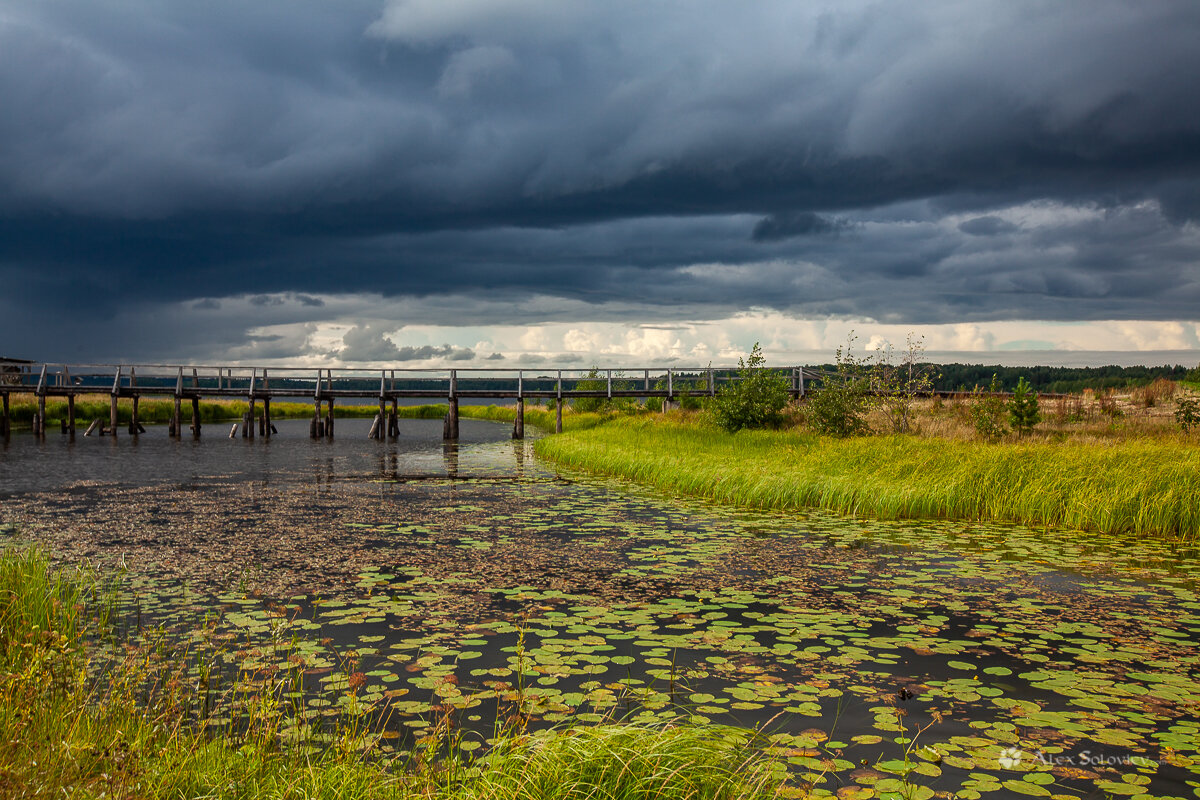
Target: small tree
1187 413
755 400
840 406
987 411
899 385
1023 408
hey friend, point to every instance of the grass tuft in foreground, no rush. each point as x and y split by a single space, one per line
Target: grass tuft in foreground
1143 487
74 728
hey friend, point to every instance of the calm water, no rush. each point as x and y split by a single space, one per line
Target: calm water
28 464
471 582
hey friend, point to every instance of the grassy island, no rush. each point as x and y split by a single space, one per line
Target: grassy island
1141 483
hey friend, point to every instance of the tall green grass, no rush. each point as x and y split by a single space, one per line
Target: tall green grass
68 729
1143 487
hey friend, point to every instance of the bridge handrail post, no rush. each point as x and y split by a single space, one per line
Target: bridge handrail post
609 374
712 383
670 384
558 391
41 384
117 382
520 384
801 371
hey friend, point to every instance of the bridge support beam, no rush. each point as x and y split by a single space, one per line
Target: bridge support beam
195 418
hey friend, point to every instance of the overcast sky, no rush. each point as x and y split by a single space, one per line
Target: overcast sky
504 182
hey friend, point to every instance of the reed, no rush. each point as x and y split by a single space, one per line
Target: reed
1146 487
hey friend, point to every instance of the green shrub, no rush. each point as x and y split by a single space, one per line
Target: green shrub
1187 413
755 400
987 411
840 406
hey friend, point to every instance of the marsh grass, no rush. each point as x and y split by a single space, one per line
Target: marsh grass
71 729
1148 487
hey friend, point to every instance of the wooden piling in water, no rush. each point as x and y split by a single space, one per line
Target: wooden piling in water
112 414
4 420
96 423
41 415
195 417
519 422
450 425
329 420
233 431
133 417
71 414
394 419
268 428
374 432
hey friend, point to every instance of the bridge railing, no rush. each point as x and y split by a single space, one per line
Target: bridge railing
215 380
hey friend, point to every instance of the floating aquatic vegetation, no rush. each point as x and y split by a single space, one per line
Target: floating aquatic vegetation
881 658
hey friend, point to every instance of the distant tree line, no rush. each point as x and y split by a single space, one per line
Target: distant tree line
965 377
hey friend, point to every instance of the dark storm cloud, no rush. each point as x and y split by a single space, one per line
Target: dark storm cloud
620 153
787 225
986 226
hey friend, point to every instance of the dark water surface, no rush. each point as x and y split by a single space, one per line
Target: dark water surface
468 583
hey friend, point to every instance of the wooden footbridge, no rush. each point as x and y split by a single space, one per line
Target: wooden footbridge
258 386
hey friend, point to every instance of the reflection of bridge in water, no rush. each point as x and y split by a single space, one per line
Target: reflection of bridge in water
258 386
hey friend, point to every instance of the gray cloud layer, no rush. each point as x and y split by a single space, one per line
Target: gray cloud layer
822 158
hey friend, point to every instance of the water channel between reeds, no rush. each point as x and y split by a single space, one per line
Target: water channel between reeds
467 582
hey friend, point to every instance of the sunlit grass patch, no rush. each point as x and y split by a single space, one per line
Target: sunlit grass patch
1144 486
